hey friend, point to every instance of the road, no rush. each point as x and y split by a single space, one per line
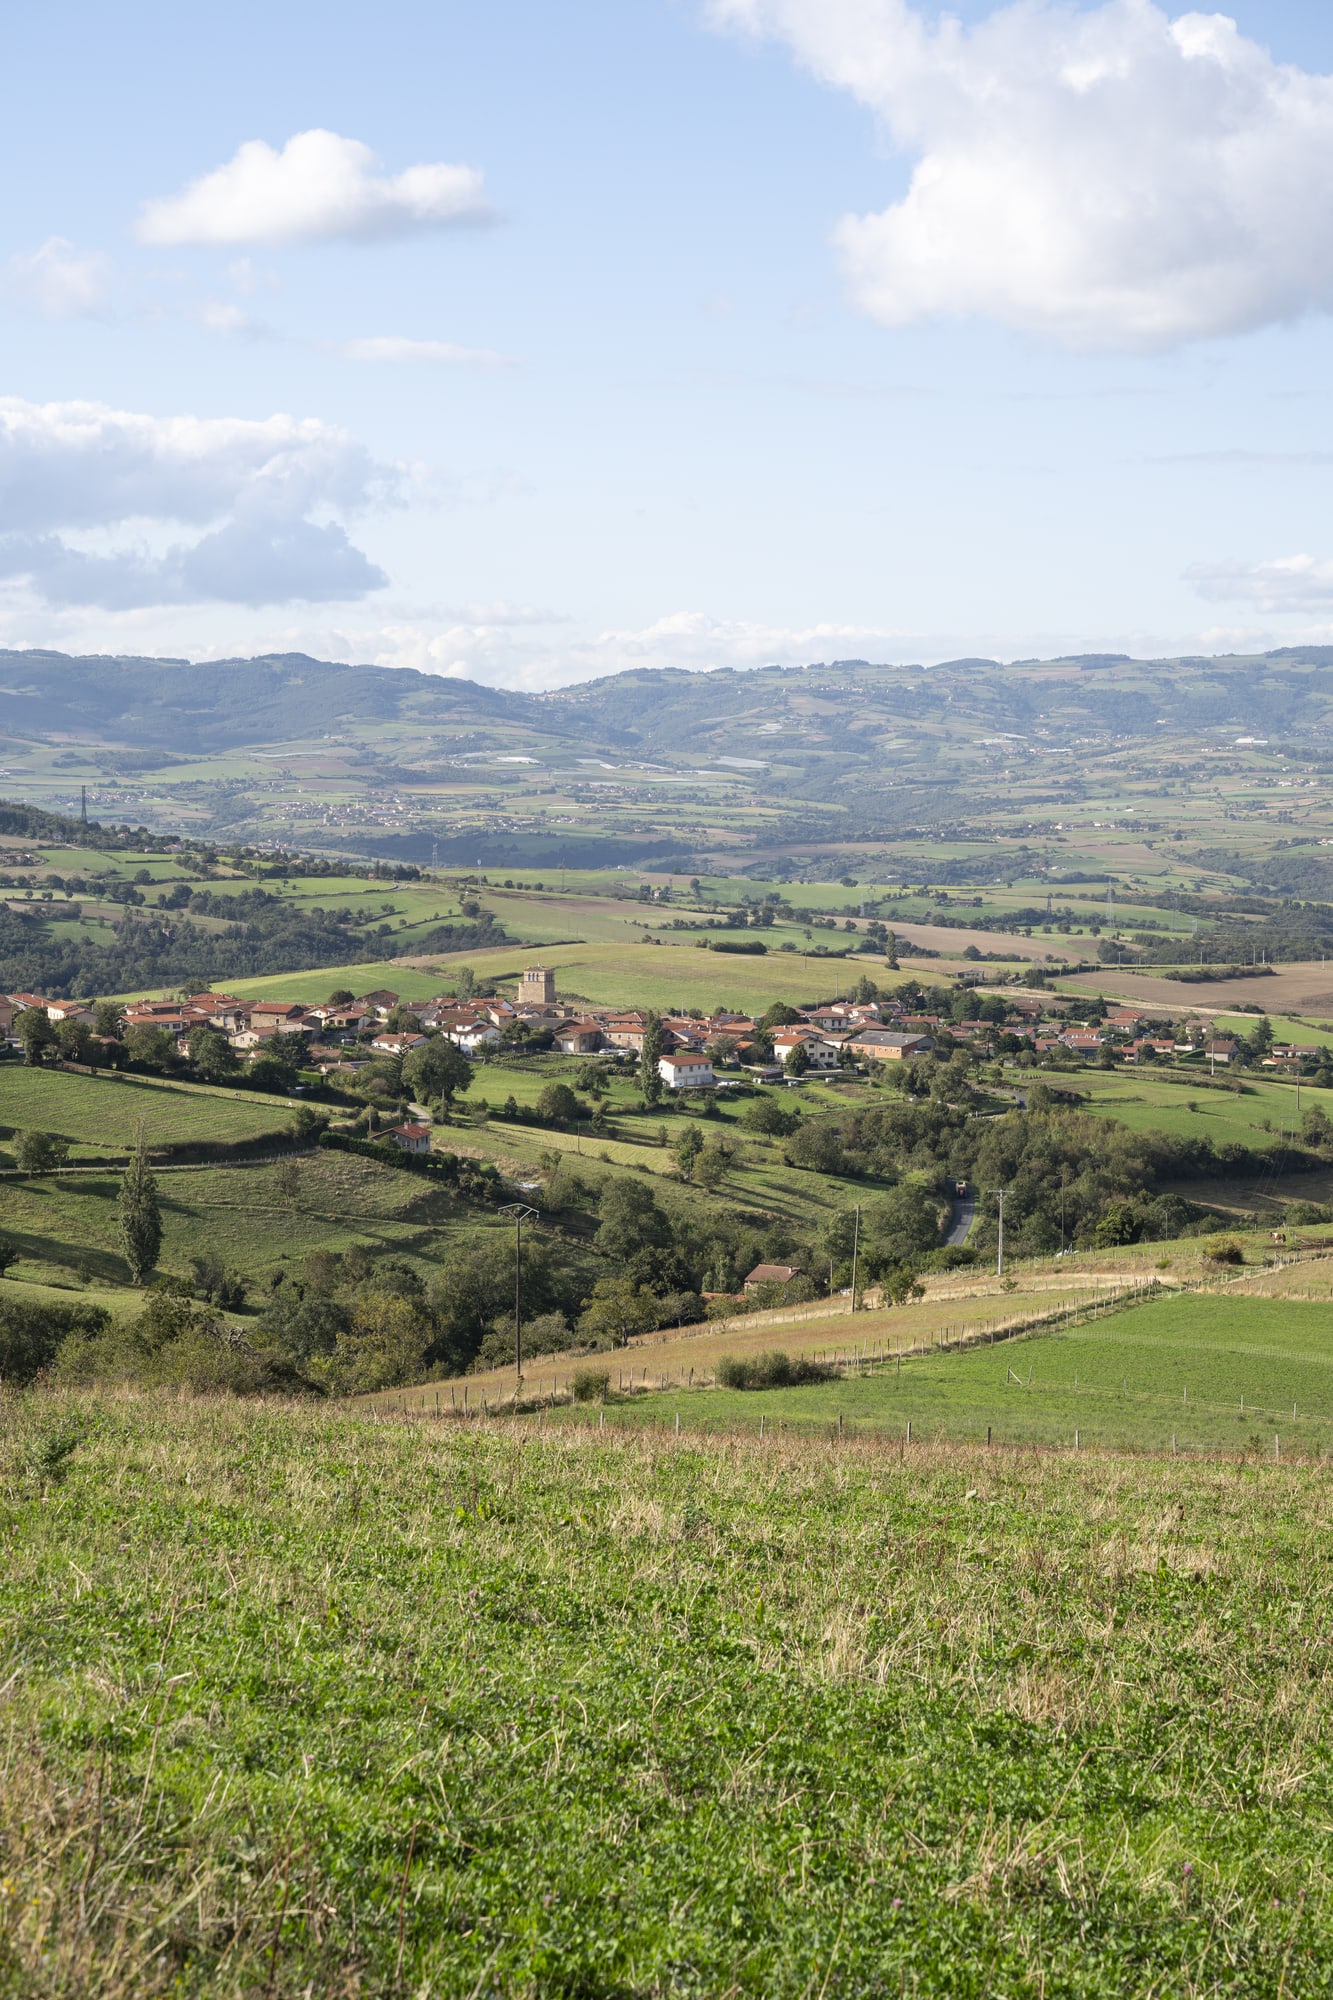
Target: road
964 1214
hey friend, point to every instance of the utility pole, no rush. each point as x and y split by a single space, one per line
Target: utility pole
856 1249
1000 1194
521 1213
1064 1183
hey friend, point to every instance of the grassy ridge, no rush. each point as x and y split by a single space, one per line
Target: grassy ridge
306 1703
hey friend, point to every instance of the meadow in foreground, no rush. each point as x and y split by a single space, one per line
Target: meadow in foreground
300 1701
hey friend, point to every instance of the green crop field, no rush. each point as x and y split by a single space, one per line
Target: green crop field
300 1702
1211 1371
102 1114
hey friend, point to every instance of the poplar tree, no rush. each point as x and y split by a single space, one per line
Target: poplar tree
654 1047
138 1216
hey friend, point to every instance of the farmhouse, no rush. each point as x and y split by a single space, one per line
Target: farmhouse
771 1274
411 1138
283 1015
396 1045
686 1070
582 1037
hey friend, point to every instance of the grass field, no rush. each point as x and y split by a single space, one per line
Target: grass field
1211 1371
66 1224
1194 1107
613 972
101 1115
299 1703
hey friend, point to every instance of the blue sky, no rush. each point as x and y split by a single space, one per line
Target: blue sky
615 380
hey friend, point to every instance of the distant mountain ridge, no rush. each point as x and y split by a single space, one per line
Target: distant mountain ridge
836 709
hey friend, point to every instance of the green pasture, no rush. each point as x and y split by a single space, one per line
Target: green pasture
1216 1372
303 1701
103 1114
1286 1028
760 1185
1192 1106
243 1214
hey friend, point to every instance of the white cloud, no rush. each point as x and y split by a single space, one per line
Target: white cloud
60 281
398 347
83 469
232 322
1103 178
1286 583
319 187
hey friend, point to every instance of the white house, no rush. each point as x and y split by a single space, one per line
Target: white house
397 1045
822 1052
686 1070
469 1036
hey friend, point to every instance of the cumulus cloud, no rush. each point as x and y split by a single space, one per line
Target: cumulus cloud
59 281
438 353
1285 583
83 469
321 186
1104 178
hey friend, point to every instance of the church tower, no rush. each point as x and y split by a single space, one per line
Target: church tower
537 987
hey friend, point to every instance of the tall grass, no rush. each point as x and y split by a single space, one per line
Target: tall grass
301 1702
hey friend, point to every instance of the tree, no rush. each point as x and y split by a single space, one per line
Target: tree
558 1105
138 1216
107 1017
212 1054
152 1048
466 983
36 1032
341 996
74 1039
779 1015
630 1220
386 1345
654 1047
798 1060
687 1150
9 1253
715 1163
437 1069
38 1152
617 1310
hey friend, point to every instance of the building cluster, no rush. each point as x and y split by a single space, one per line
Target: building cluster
829 1035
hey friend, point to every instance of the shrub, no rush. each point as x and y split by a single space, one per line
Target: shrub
36 1152
591 1384
1227 1252
769 1371
31 1334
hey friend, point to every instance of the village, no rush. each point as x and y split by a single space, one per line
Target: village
698 1052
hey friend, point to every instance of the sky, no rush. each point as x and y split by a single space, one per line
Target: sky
530 343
